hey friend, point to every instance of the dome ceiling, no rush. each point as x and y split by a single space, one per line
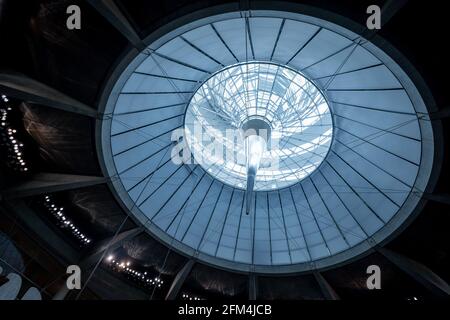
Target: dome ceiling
380 157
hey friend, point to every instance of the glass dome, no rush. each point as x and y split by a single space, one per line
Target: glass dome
225 70
297 112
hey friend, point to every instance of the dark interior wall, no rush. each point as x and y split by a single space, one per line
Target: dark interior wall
75 62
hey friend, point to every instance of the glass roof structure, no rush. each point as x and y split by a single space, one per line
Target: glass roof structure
299 116
335 100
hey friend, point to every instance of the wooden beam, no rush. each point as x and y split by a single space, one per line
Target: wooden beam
43 183
26 89
418 271
109 10
179 280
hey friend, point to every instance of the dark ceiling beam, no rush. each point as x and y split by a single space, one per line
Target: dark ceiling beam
26 89
110 245
388 11
107 285
179 280
103 283
327 290
111 12
62 293
252 287
89 261
438 197
244 5
43 183
418 271
440 114
38 228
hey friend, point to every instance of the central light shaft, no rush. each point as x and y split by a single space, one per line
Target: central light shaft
257 135
257 96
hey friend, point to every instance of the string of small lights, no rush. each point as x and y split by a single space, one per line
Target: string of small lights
64 221
412 299
138 276
191 297
9 141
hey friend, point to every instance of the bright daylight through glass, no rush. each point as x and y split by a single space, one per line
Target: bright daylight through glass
296 111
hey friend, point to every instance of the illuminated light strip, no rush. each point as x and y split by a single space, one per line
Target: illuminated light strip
58 213
186 296
124 266
11 140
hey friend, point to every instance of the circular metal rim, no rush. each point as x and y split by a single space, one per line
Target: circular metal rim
392 228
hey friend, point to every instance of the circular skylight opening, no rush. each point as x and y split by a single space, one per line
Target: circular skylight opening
297 115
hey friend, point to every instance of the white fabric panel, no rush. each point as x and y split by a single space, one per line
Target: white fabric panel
136 120
360 58
380 204
353 201
137 102
262 246
132 173
311 230
280 249
391 163
233 33
196 192
160 65
229 230
200 222
136 154
147 83
402 124
244 245
321 46
395 100
126 140
181 51
206 39
155 180
328 66
264 33
291 40
297 244
210 242
375 78
382 145
342 217
383 182
169 211
330 232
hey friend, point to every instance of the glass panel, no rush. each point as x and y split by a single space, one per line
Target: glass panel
299 116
